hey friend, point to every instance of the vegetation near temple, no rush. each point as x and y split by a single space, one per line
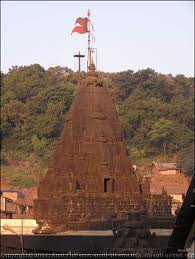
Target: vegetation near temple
156 113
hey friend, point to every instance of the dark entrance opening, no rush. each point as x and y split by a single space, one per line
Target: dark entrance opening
109 185
113 181
106 184
78 186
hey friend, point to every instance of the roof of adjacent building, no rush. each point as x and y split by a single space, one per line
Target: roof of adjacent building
165 166
6 198
20 194
26 195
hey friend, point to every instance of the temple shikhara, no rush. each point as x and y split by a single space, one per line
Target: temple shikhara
90 178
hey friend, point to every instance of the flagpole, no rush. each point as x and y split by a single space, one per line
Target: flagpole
89 41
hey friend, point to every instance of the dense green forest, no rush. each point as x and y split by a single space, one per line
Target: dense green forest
156 112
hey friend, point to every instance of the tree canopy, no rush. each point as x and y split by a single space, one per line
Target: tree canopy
156 112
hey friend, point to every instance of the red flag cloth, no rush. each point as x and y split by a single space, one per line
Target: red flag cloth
80 29
83 28
82 21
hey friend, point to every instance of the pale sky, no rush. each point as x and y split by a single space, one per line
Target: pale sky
129 34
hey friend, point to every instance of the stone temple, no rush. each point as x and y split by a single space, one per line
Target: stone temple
90 178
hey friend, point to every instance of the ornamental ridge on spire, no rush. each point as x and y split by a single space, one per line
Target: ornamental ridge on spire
91 68
92 76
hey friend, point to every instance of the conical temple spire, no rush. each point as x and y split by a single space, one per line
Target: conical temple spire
90 177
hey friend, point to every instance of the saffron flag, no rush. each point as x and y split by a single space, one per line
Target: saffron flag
82 21
83 28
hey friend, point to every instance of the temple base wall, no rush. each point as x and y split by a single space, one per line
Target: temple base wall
85 213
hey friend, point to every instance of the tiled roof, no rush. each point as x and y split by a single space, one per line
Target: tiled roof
165 166
29 193
20 194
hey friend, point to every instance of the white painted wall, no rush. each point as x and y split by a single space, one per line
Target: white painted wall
25 226
20 226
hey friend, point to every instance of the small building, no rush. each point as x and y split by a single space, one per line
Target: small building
13 194
169 177
23 209
7 207
166 168
14 204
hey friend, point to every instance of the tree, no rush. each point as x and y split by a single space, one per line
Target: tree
156 110
6 125
125 83
39 146
185 159
161 133
16 112
25 81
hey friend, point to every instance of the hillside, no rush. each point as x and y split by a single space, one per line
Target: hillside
156 112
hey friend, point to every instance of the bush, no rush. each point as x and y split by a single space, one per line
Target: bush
17 177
